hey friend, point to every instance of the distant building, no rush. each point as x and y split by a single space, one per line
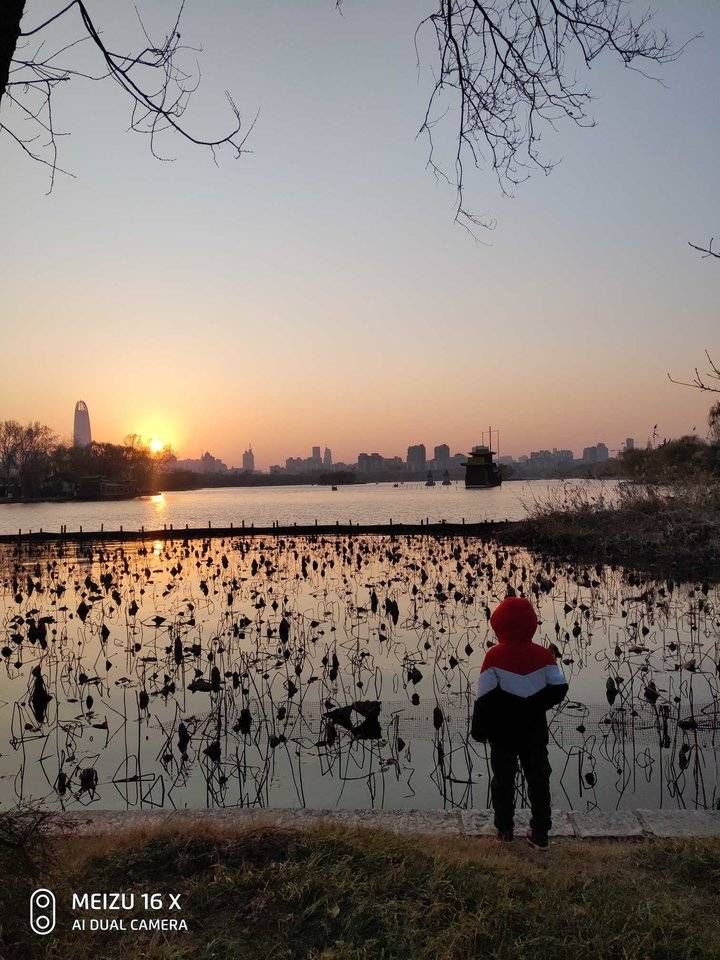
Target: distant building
301 465
480 469
441 455
248 460
551 457
371 463
416 457
207 463
629 443
327 457
597 454
81 425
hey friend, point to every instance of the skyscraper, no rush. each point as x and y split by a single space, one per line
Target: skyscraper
416 457
327 457
81 425
442 455
248 460
316 455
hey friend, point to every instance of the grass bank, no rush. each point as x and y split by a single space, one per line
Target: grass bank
660 530
332 894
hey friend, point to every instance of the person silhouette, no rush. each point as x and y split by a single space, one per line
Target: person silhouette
519 681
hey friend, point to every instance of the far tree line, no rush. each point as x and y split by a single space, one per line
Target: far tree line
34 462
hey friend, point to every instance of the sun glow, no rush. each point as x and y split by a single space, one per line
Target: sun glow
156 445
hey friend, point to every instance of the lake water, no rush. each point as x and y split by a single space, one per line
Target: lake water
361 503
336 672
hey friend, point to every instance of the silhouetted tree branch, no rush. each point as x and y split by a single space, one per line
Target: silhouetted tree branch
507 70
155 80
706 251
702 381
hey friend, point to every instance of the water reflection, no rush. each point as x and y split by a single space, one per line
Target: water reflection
336 672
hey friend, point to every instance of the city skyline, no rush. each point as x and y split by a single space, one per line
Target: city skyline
321 459
322 454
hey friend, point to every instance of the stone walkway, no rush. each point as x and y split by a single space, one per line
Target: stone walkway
469 823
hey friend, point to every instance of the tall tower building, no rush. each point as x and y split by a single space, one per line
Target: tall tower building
248 460
327 457
442 455
81 425
416 457
316 455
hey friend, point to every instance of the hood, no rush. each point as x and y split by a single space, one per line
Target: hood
514 620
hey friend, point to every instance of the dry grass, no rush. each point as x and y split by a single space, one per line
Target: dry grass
340 894
664 531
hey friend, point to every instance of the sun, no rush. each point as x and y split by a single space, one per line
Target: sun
156 445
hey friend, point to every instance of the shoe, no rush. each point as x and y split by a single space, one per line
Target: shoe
505 836
538 840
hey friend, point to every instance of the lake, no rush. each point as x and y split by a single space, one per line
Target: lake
361 503
336 672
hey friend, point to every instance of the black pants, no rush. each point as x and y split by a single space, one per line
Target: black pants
536 768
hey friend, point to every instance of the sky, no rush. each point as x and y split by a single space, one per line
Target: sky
317 290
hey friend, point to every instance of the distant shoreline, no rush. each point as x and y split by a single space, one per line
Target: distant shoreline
264 480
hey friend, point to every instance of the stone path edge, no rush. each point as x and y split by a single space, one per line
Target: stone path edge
619 824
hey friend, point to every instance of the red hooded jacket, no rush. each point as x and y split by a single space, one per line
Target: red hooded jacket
519 679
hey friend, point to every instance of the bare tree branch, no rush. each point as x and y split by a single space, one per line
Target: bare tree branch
706 251
154 79
702 381
507 70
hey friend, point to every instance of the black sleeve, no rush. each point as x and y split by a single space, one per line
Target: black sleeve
479 726
553 694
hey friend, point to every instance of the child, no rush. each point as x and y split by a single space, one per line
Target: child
519 681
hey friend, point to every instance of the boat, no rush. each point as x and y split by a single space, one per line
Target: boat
334 488
446 479
429 482
481 471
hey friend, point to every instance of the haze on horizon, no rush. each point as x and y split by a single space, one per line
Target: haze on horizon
317 290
